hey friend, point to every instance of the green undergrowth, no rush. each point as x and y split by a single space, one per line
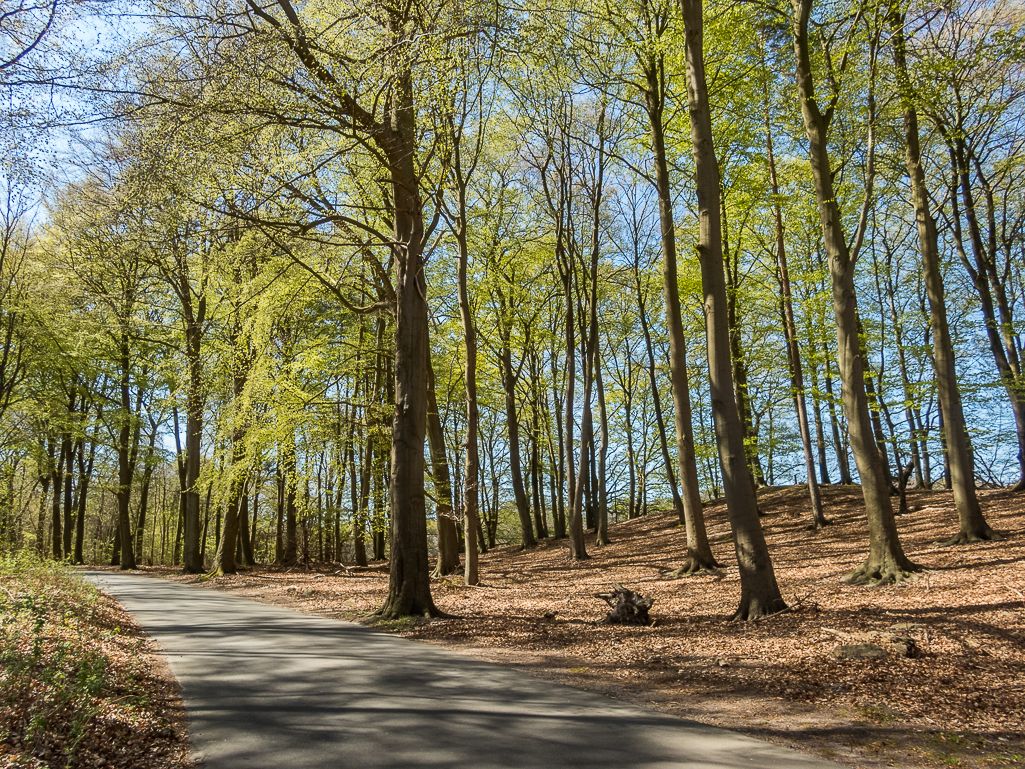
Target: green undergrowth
66 670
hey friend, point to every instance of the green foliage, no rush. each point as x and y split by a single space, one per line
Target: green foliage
50 671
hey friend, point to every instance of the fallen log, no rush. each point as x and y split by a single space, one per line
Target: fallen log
628 607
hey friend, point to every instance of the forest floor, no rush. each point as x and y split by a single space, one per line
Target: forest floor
960 701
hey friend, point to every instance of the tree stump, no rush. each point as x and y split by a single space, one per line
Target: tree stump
628 607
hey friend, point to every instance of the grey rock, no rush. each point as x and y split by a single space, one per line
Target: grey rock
860 652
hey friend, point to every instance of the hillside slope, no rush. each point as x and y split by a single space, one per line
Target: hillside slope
956 702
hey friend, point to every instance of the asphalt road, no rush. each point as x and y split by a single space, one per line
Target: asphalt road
270 688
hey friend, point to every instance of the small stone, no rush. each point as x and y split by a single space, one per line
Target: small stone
904 646
860 652
722 663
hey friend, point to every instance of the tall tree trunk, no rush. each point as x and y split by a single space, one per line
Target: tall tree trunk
988 287
575 524
739 361
656 398
289 482
760 594
45 478
448 536
558 462
603 452
125 466
147 477
359 547
69 508
973 526
886 561
193 437
409 587
509 381
699 552
790 327
471 463
234 509
57 539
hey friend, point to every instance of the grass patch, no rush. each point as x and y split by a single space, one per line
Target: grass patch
71 683
397 625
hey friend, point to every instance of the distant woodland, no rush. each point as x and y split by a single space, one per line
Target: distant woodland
290 281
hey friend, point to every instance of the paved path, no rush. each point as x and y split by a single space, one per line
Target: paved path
270 688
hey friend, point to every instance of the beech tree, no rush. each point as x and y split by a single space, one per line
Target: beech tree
886 560
760 594
962 467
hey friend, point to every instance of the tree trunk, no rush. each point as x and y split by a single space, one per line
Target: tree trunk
509 380
886 561
359 547
448 536
409 587
57 540
973 526
603 451
699 552
471 464
657 403
193 437
790 328
760 594
69 508
290 480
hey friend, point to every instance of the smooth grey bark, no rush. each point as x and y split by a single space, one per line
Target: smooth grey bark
886 561
973 526
699 553
760 593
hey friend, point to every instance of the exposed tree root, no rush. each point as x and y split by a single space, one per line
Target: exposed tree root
685 571
694 565
886 574
438 573
396 609
971 537
1019 486
820 524
752 610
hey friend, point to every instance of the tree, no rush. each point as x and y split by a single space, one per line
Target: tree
962 467
886 560
388 130
760 595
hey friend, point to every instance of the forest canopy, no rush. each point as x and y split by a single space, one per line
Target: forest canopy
352 281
